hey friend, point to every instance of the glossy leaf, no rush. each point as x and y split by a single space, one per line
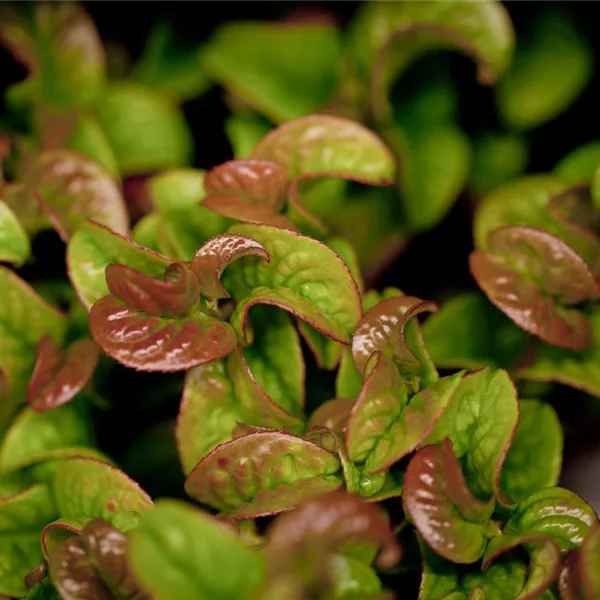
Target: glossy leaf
152 343
74 188
534 459
556 513
145 131
388 37
86 488
590 553
385 423
534 278
59 376
303 277
530 94
169 68
24 320
544 564
34 437
60 47
384 328
93 247
333 414
178 551
468 332
330 521
253 191
438 502
14 243
480 421
262 473
216 254
296 80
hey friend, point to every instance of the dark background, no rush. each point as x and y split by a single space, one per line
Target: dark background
437 260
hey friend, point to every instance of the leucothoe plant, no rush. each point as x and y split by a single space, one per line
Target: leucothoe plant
218 335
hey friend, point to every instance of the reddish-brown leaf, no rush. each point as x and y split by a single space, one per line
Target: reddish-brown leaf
333 414
58 376
533 277
173 297
214 256
149 343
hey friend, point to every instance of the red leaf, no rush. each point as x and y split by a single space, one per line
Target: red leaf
214 256
58 376
150 343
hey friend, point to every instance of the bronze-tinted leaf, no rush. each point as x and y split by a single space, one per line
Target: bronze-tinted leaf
152 343
382 329
173 297
58 376
74 188
331 520
442 508
74 575
333 414
263 473
107 549
214 256
534 278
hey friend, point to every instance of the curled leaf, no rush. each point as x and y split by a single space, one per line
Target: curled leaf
58 376
438 501
544 564
333 414
216 254
578 578
303 277
174 296
326 146
534 278
151 343
253 191
330 521
382 329
262 473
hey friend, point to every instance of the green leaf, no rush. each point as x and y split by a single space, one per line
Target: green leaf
275 358
498 157
554 512
22 518
580 164
61 49
348 381
544 563
273 472
434 171
577 369
438 502
244 132
177 190
295 80
181 552
530 94
145 131
480 421
534 458
387 37
145 231
170 68
24 320
86 488
590 555
72 188
352 577
43 591
385 423
88 138
303 277
93 247
468 332
537 280
14 243
35 437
